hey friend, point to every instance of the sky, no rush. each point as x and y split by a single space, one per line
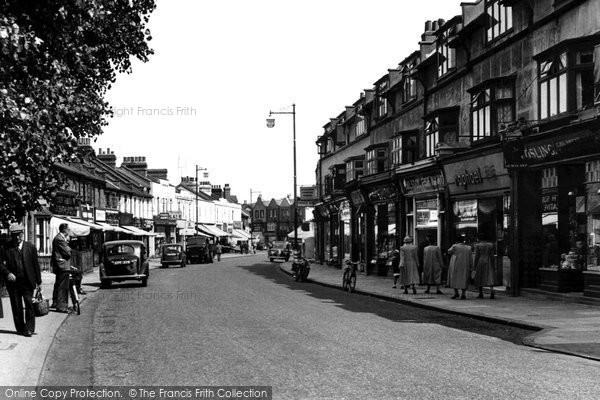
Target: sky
220 66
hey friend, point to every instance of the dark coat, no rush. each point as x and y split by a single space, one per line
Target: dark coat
10 262
61 253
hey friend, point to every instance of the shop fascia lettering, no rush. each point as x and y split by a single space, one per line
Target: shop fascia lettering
475 176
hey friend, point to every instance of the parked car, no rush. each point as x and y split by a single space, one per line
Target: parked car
197 249
279 250
122 260
172 254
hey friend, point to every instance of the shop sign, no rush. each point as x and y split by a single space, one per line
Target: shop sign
357 198
64 205
478 174
549 203
382 193
147 223
423 183
100 215
345 211
87 212
520 153
163 219
112 218
237 224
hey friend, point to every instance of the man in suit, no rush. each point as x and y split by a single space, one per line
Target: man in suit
61 254
20 267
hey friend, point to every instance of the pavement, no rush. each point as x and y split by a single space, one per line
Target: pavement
23 357
558 324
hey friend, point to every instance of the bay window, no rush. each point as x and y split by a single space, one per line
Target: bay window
492 104
354 168
377 158
500 17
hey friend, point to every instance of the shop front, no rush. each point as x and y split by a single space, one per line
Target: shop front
381 226
557 177
479 203
423 196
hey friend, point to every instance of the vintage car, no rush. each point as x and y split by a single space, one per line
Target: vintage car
279 250
172 254
122 260
197 249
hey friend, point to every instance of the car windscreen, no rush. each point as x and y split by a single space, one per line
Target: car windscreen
122 249
172 248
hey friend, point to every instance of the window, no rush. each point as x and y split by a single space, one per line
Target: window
271 226
354 169
403 149
262 213
360 126
553 86
256 214
409 91
432 136
382 110
376 160
500 19
446 54
491 107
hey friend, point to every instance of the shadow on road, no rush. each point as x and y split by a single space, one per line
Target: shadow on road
386 309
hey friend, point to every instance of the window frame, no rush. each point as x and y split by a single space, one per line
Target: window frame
376 157
504 23
431 136
448 65
500 94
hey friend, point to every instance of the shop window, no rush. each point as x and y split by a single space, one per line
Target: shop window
410 222
446 54
500 17
42 237
427 213
491 107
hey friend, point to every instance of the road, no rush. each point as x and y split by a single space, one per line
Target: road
244 322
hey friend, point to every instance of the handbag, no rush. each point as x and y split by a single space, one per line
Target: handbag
41 306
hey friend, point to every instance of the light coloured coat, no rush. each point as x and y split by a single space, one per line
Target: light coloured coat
460 266
409 263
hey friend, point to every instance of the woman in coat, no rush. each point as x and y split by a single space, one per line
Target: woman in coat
485 271
460 266
409 265
433 262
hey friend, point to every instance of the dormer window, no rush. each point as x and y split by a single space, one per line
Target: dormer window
360 126
500 18
409 89
446 54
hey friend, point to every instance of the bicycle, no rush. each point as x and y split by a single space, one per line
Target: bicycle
74 277
349 278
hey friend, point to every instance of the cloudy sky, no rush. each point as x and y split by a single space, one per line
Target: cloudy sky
220 66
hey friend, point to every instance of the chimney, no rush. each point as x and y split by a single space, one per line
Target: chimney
137 164
84 146
216 192
108 158
227 192
157 173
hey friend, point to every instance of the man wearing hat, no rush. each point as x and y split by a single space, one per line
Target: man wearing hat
20 267
61 254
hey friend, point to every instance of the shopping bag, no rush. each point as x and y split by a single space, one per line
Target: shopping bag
41 306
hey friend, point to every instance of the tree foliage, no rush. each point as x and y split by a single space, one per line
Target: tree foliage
57 60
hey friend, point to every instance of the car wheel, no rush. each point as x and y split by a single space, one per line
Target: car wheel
270 259
144 282
183 264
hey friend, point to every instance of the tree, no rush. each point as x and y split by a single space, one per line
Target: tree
57 60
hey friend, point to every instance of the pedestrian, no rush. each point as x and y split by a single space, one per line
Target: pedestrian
211 251
20 267
433 263
461 263
61 254
409 265
396 266
485 271
218 251
421 249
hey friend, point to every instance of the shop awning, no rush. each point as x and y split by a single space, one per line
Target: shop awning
191 232
77 229
212 230
112 228
86 223
240 234
138 231
301 234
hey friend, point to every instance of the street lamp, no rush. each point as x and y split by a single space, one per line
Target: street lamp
251 216
271 124
197 169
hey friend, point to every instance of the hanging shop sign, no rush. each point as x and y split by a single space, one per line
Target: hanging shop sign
521 153
478 174
165 219
382 194
423 183
357 198
64 205
126 219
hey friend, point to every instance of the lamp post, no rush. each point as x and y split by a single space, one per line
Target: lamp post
271 124
251 216
197 169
